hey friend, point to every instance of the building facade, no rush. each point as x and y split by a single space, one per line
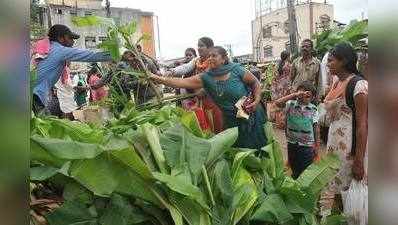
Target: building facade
62 11
272 38
243 59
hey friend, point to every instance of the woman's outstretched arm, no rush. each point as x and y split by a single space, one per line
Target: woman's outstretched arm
194 82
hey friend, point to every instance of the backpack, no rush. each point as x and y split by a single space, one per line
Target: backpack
349 98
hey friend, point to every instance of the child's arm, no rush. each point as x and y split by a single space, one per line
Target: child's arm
282 101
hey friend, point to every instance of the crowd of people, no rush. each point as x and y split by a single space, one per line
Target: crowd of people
297 91
229 95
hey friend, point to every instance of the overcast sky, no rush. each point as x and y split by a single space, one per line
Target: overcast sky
183 22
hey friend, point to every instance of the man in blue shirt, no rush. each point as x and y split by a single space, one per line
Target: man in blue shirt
51 67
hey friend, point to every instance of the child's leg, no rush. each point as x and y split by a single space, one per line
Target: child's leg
304 158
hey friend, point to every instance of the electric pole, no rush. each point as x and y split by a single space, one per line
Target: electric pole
292 27
108 8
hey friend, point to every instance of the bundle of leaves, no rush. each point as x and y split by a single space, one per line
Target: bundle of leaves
175 174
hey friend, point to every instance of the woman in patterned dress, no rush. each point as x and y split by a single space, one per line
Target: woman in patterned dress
348 131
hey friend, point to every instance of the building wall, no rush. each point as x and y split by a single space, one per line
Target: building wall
91 4
148 46
278 21
62 14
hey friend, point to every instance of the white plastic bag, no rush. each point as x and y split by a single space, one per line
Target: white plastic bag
355 203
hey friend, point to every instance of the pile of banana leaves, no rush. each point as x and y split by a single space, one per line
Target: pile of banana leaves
165 170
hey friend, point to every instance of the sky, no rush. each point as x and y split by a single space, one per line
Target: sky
227 22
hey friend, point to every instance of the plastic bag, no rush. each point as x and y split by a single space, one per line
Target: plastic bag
355 203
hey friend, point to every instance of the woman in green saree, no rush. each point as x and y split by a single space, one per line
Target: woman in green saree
227 83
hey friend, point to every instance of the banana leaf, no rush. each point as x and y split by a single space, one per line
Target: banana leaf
182 147
67 149
41 155
319 174
128 29
152 136
245 197
120 211
274 162
269 132
77 131
334 220
76 192
192 212
223 183
190 122
180 186
238 159
130 158
297 200
352 34
273 210
220 143
72 213
41 173
105 175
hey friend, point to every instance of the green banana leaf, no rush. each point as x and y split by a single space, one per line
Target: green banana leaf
296 199
238 159
190 122
105 175
77 131
319 174
180 186
120 211
352 34
245 197
334 220
269 132
273 210
223 183
182 147
192 212
128 29
41 173
39 154
72 213
152 136
274 162
67 149
130 158
112 44
220 143
76 192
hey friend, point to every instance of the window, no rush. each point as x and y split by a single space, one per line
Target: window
268 51
90 42
101 39
267 32
59 11
88 13
73 12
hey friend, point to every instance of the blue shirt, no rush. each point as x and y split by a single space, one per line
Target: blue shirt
50 69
